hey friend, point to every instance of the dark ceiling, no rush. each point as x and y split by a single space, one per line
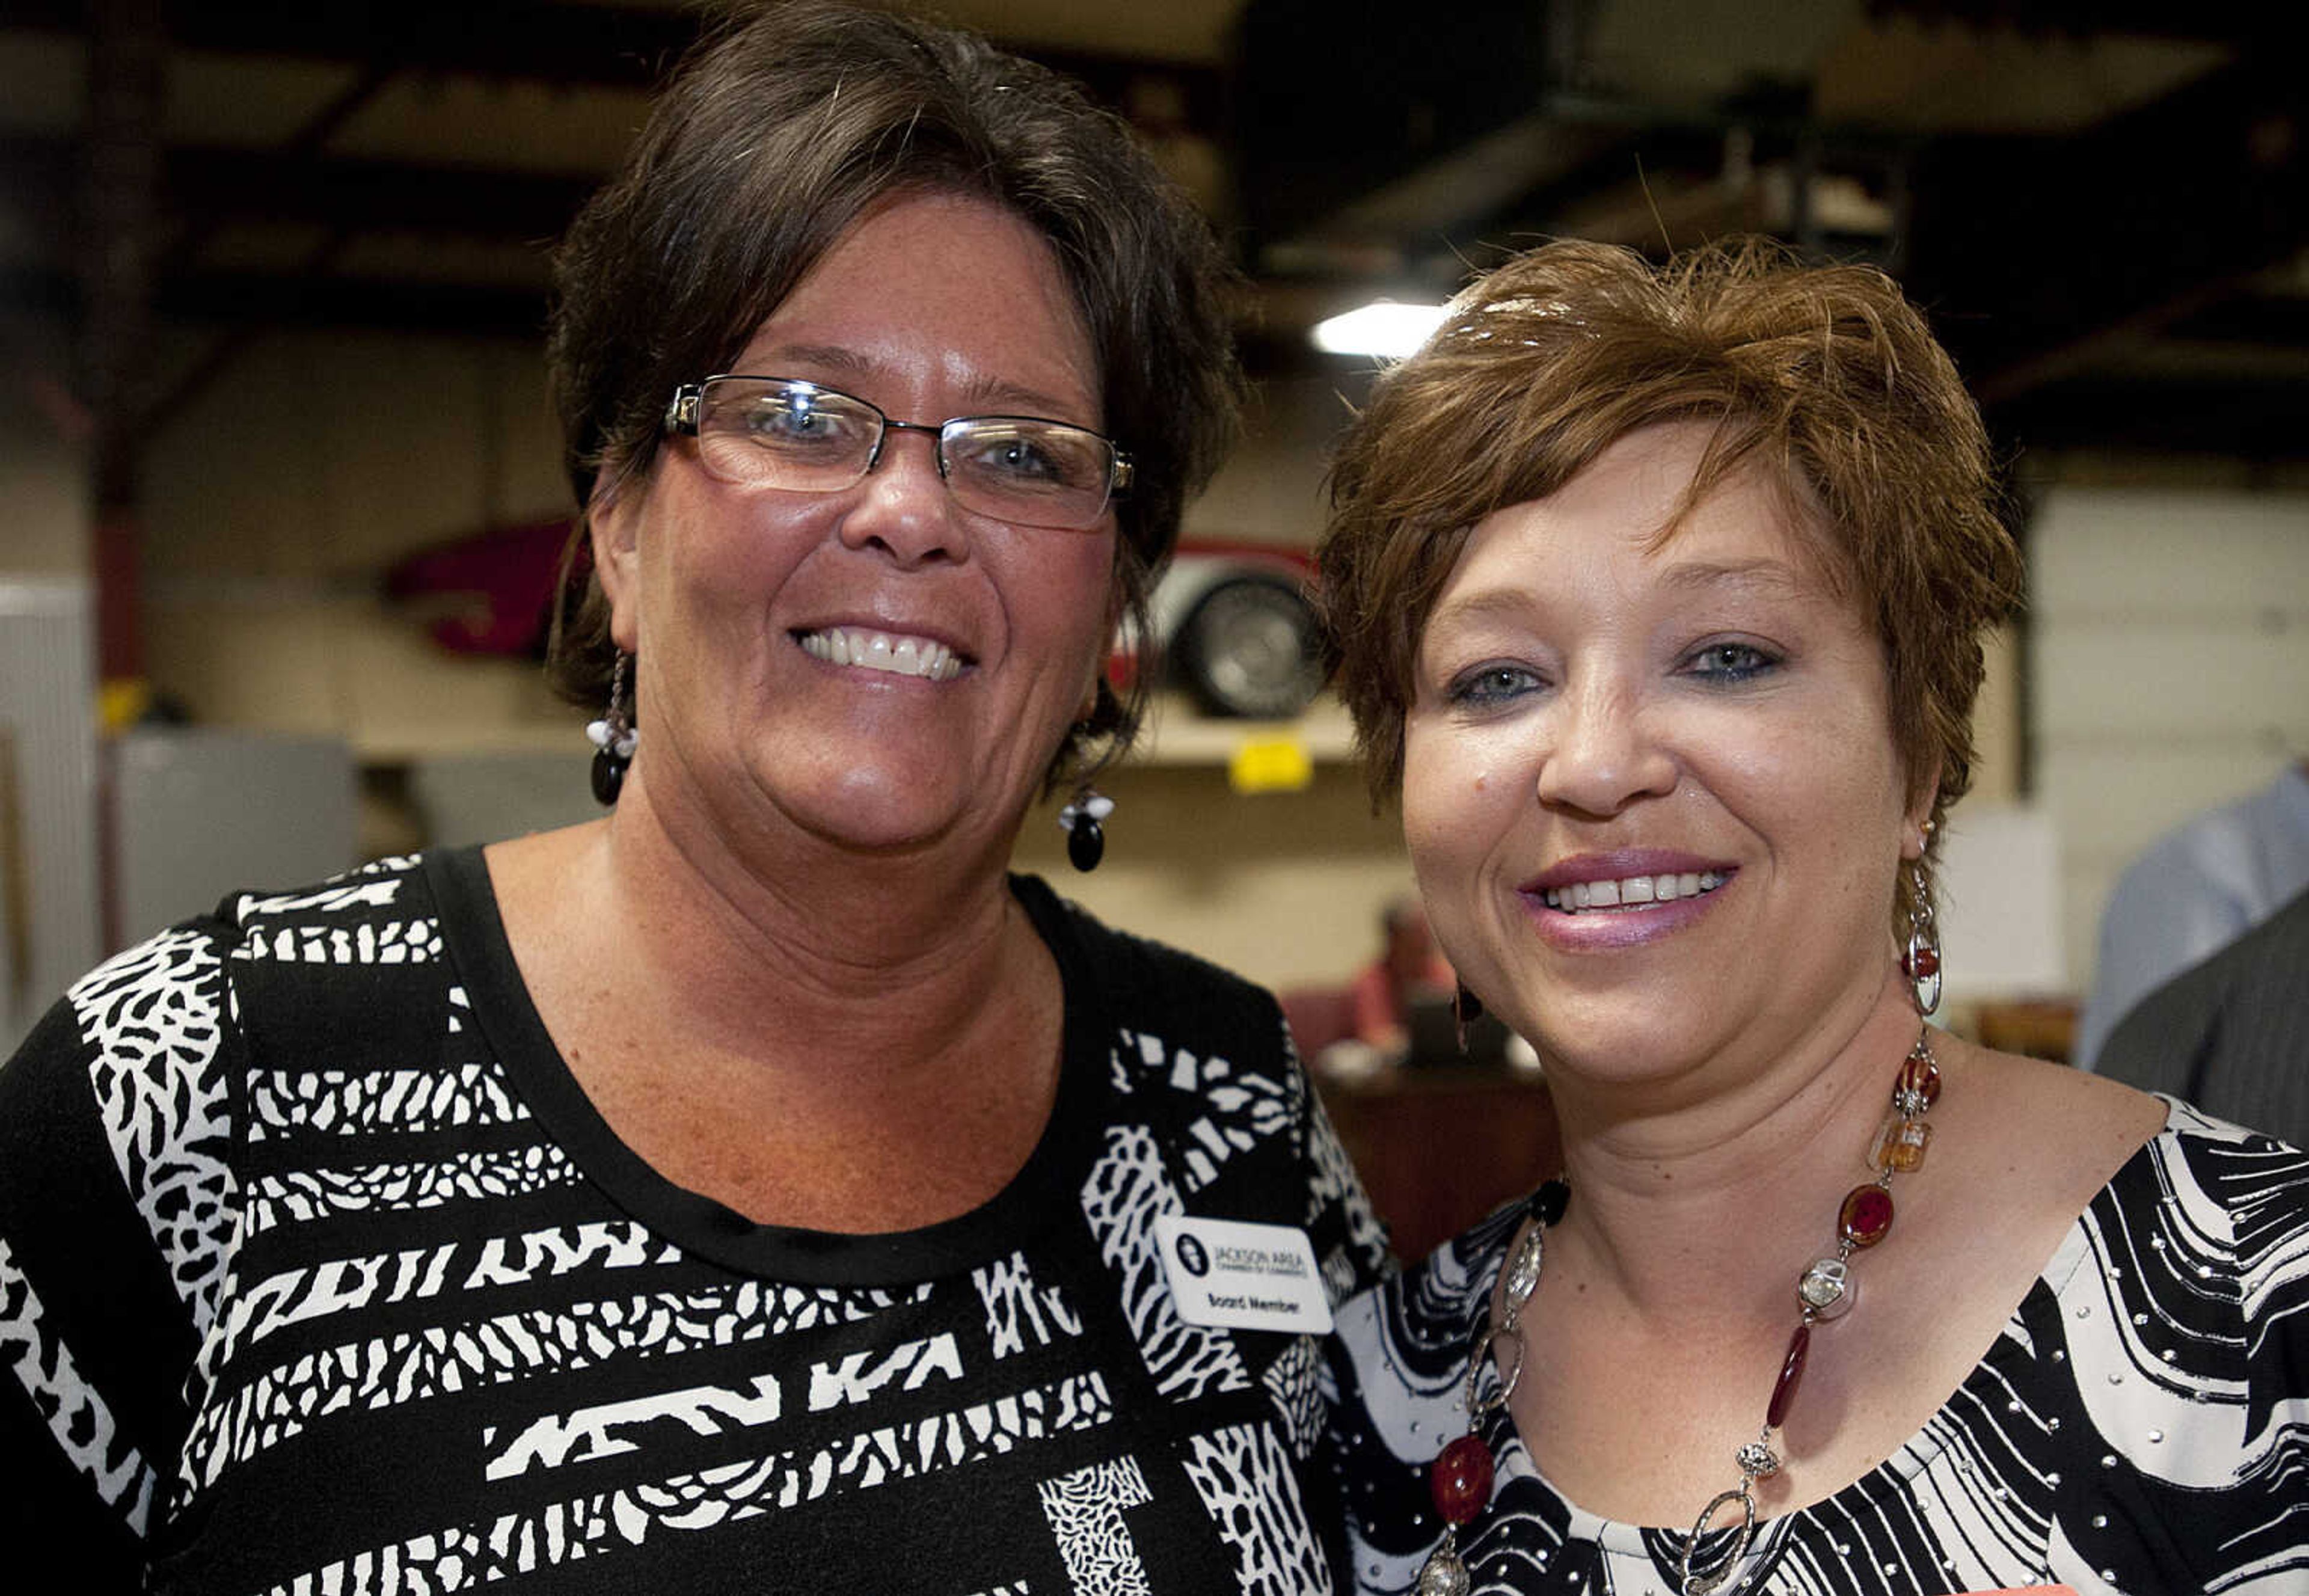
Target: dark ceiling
2102 204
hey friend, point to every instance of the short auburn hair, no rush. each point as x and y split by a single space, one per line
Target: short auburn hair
1824 378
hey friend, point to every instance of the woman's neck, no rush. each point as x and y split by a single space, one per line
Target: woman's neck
1699 1205
747 946
863 1050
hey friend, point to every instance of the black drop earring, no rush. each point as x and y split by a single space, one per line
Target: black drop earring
1086 835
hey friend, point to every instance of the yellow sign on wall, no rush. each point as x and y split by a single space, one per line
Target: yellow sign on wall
1270 765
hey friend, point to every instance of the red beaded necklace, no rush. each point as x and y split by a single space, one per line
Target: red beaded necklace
1461 1477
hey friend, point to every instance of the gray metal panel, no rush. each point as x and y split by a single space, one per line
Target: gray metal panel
486 797
48 704
203 812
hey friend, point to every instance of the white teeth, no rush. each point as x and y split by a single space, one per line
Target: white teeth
1632 892
879 651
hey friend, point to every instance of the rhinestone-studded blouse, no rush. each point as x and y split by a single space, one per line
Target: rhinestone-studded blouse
2141 1426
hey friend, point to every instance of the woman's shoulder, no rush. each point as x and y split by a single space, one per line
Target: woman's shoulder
1201 1075
1407 1337
387 911
156 1030
158 1013
124 1113
2192 1203
2236 1191
2204 1235
153 1027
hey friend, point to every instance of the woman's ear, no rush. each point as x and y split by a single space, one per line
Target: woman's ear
613 522
1916 825
1118 608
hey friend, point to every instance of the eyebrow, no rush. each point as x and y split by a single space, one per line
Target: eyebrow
1506 602
987 395
1775 578
1761 578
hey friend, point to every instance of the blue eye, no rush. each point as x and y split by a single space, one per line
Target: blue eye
1730 663
1488 685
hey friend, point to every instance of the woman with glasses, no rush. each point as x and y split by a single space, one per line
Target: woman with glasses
1661 591
757 1188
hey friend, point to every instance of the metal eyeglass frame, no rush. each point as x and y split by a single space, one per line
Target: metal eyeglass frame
681 416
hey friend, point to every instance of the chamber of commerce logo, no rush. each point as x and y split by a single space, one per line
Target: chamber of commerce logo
1191 1256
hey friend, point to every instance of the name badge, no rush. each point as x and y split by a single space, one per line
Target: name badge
1228 1275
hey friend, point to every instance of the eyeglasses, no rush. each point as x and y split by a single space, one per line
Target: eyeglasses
777 433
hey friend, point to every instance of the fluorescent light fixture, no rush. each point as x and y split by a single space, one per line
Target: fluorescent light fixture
1382 328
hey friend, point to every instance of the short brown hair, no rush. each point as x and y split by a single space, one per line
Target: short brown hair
1824 376
787 126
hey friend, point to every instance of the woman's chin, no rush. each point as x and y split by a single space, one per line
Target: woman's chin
1622 1040
883 810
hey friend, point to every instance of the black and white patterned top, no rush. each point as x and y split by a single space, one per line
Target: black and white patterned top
2141 1426
319 1272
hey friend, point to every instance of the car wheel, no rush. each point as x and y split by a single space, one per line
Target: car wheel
1251 647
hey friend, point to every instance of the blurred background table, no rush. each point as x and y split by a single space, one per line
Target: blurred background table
1439 1146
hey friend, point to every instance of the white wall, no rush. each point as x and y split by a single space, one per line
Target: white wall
2170 656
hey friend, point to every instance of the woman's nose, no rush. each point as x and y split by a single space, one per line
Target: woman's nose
903 506
1603 756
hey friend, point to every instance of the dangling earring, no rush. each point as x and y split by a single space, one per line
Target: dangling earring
1085 837
613 738
1466 1008
1920 960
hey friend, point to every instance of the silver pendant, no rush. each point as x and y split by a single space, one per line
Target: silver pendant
1443 1574
1523 1269
1700 1578
1828 1290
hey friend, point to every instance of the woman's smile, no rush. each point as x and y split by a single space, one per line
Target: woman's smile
858 648
1631 892
1599 902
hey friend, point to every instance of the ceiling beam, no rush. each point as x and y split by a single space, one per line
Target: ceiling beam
2031 253
614 46
215 184
273 300
550 41
2206 22
2237 418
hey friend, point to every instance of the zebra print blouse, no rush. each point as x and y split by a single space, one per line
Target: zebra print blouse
2141 1426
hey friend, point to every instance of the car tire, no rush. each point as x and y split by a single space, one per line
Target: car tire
1251 647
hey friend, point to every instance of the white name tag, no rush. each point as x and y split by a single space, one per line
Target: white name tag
1232 1276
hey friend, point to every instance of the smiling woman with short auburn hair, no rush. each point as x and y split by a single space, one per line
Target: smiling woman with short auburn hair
1828 379
1659 594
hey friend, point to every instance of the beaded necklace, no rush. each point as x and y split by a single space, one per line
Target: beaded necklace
1461 1476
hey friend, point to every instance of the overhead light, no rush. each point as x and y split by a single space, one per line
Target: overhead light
1381 327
